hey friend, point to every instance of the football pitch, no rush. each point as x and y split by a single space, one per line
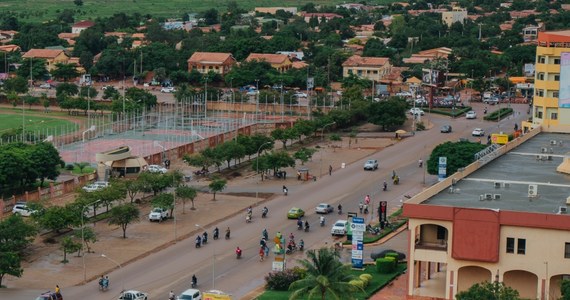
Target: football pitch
35 123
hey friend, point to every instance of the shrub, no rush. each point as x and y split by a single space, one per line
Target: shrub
364 279
392 254
505 111
420 126
367 276
69 167
392 259
280 281
385 265
357 283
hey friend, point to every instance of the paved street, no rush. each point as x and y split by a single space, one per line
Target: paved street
171 268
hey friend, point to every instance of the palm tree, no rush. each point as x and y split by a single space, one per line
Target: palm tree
326 276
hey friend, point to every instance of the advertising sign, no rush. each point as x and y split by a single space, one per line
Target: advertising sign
358 228
310 83
564 95
382 212
499 138
442 168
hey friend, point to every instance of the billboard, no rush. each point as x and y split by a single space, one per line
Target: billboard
432 77
564 95
499 138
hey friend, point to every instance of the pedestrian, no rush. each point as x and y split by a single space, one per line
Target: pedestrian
285 175
330 170
266 249
298 175
57 289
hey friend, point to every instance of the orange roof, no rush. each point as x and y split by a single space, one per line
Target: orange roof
299 65
138 36
273 59
9 48
42 53
84 24
67 35
562 36
116 33
209 57
356 61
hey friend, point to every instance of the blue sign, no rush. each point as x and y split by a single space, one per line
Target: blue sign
442 168
357 220
357 255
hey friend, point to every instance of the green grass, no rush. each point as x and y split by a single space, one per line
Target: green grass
35 123
377 283
42 10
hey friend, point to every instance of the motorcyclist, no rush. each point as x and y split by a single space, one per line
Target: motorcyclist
339 209
238 252
385 185
367 199
263 243
216 233
248 218
306 225
264 211
228 233
360 206
322 220
365 208
205 237
249 210
194 280
291 237
299 224
285 190
301 245
171 296
265 234
198 241
420 163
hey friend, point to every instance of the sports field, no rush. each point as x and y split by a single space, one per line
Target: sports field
52 126
41 10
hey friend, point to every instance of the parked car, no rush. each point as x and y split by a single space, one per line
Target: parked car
96 186
471 115
132 295
421 101
300 95
158 214
295 213
50 296
45 86
416 111
190 294
404 94
157 169
371 164
445 129
167 89
22 209
478 132
339 227
324 208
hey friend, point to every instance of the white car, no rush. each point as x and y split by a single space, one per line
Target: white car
133 295
22 209
45 86
324 208
190 294
157 169
96 186
158 214
416 111
404 94
478 132
371 164
339 227
167 89
300 95
471 115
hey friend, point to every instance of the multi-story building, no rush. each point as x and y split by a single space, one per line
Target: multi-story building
280 62
372 68
457 14
551 104
502 218
205 62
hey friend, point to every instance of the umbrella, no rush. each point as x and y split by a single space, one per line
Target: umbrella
400 131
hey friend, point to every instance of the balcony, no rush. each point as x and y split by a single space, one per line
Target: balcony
439 246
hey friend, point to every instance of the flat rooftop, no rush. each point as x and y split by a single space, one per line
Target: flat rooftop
510 175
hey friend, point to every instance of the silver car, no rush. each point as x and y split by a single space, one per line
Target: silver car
371 164
324 208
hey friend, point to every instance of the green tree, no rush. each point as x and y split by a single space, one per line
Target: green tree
87 235
153 182
459 155
198 160
565 289
16 234
217 185
66 89
325 277
69 245
489 291
304 127
64 72
123 215
31 100
88 92
81 166
37 68
284 135
46 161
304 154
231 150
185 193
10 264
388 114
280 159
16 84
57 218
164 201
133 187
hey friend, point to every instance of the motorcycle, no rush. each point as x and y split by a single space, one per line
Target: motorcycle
322 221
265 235
420 163
291 249
103 284
360 207
238 254
339 209
227 234
285 191
204 238
372 230
385 186
299 225
306 226
194 281
365 209
264 212
202 172
198 242
248 219
396 180
216 234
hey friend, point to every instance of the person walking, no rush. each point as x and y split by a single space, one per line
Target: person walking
330 170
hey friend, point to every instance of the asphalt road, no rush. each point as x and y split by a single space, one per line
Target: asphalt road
172 268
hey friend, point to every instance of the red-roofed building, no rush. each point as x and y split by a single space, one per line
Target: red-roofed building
52 57
9 48
522 13
372 68
426 55
80 26
320 16
205 62
280 62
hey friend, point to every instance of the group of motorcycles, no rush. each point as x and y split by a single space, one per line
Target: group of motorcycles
203 239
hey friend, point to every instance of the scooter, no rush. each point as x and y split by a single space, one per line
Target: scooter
198 243
205 238
103 284
299 225
420 163
306 227
248 219
216 234
322 221
385 186
365 209
264 213
194 282
238 254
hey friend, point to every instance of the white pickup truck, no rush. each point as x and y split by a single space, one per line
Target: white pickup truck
158 214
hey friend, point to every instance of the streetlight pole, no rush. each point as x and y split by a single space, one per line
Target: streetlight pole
120 268
257 169
256 99
323 129
83 237
213 260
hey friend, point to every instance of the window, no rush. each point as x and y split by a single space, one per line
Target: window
541 59
540 76
538 114
521 246
510 245
555 94
556 77
554 116
540 93
441 233
566 250
557 61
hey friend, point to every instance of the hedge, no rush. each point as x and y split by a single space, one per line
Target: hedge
385 265
505 111
452 113
281 280
392 254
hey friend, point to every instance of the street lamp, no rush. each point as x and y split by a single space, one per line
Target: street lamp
213 260
120 268
323 129
256 99
257 169
83 236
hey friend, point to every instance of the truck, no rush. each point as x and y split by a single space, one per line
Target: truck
216 295
158 214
